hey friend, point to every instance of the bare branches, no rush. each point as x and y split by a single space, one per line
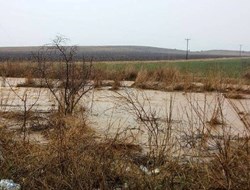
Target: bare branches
67 80
160 141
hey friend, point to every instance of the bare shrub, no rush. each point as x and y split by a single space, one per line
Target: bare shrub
159 134
71 79
74 158
26 108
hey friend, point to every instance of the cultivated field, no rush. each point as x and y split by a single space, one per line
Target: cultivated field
122 53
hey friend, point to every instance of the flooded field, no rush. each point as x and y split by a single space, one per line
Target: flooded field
131 112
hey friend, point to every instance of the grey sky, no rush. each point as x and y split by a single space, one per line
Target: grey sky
211 24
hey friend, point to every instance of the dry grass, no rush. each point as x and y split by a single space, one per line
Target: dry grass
167 75
158 77
75 158
171 79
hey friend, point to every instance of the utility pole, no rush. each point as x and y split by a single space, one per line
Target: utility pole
187 48
240 50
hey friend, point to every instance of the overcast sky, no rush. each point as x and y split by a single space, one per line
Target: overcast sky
211 24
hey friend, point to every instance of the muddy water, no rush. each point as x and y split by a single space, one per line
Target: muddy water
114 112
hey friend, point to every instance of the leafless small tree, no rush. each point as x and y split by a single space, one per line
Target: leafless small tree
66 78
160 142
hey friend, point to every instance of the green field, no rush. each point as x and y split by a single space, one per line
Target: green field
229 67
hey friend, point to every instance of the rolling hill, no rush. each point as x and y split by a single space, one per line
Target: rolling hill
110 53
